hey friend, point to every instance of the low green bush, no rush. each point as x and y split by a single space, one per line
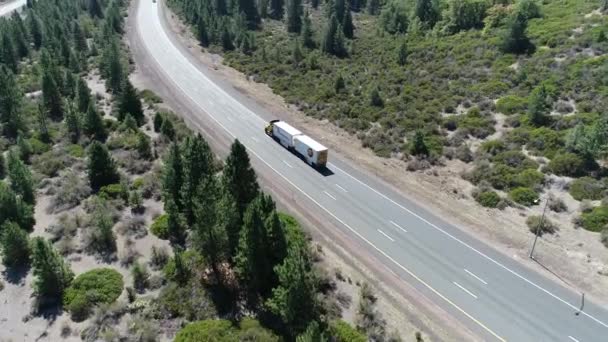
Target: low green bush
596 219
160 227
511 104
114 191
492 147
37 146
529 178
150 97
523 196
488 199
534 224
515 159
102 285
567 164
588 188
220 330
344 332
75 150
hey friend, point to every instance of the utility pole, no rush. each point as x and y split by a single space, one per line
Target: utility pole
538 229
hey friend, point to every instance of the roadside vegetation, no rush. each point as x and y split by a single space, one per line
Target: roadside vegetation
128 222
513 90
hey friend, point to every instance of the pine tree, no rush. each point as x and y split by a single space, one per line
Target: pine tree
43 130
101 168
604 7
80 41
339 84
19 35
176 223
373 7
277 9
297 53
8 56
36 30
427 12
129 103
294 299
220 7
514 39
144 148
307 34
329 36
182 273
25 149
52 274
70 84
83 96
538 106
158 121
313 333
226 38
601 37
14 244
2 166
72 123
10 104
239 178
402 53
103 240
277 242
375 99
197 166
418 147
338 8
21 178
112 67
314 4
203 34
249 7
210 239
229 219
94 8
348 28
93 125
13 208
51 96
173 177
294 16
167 129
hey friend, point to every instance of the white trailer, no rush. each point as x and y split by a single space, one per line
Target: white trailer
302 145
311 151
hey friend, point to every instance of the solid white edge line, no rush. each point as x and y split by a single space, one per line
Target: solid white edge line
330 196
410 273
573 339
473 248
341 188
254 139
388 237
398 226
286 163
465 290
476 277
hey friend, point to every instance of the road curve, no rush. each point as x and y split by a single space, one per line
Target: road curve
9 7
491 294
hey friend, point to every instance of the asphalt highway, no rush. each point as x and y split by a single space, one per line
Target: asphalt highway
9 7
491 294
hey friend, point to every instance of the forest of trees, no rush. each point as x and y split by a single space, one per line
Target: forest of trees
512 88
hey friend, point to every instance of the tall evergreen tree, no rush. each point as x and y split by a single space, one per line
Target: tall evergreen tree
36 30
20 178
94 8
239 178
249 7
14 245
348 28
93 125
514 38
13 208
83 95
51 96
538 106
144 148
10 104
229 219
8 56
210 237
373 7
419 147
19 35
427 12
339 9
277 9
294 299
129 103
112 67
2 166
329 35
402 53
72 123
80 41
307 33
43 129
203 33
220 7
173 177
52 274
101 168
197 166
176 223
294 16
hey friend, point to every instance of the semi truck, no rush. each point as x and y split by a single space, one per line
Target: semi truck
305 147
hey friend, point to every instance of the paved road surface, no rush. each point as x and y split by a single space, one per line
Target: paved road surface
492 295
7 8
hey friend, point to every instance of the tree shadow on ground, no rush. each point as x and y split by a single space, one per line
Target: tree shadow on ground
16 275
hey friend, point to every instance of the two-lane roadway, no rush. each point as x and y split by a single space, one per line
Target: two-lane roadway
491 294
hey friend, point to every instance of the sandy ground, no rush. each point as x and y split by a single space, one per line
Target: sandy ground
575 255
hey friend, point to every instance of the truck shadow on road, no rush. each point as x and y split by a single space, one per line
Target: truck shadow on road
324 171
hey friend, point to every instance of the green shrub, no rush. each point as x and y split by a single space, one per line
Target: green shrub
511 104
534 224
141 277
529 178
160 227
150 97
199 305
545 141
102 285
567 164
523 196
75 151
488 199
114 191
37 146
595 220
252 330
217 330
137 183
587 188
492 147
515 159
344 332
